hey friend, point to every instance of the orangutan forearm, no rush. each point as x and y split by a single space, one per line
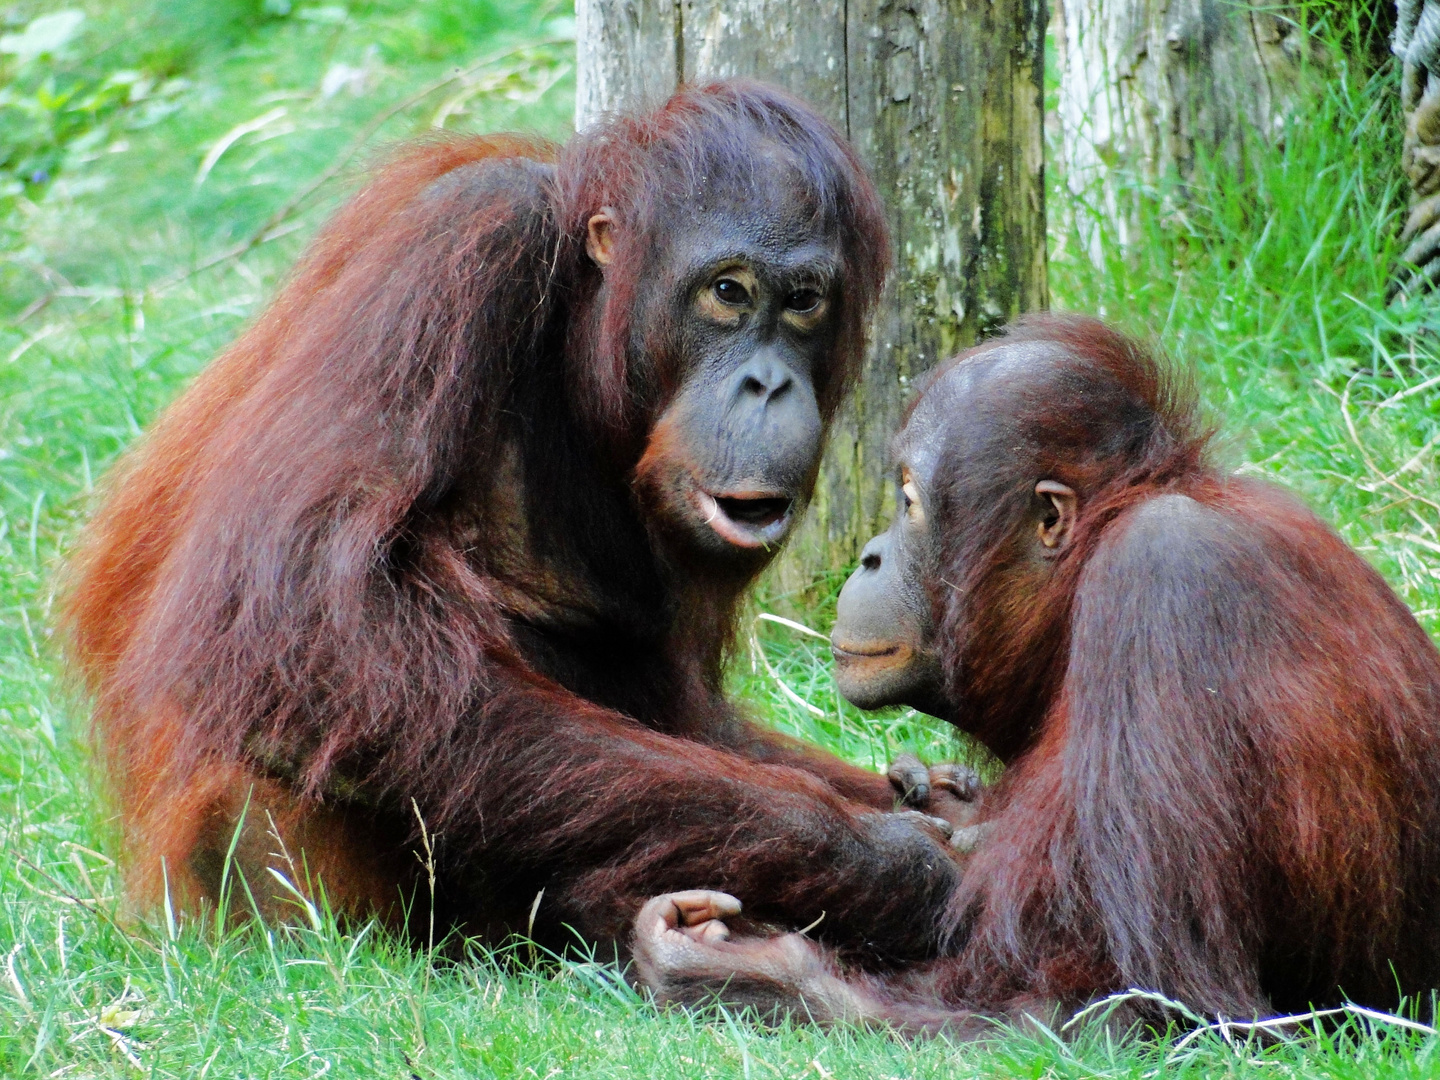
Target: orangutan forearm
605 813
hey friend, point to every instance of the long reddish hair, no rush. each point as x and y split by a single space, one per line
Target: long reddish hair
285 569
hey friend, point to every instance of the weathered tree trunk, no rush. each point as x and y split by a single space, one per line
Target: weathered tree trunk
1147 85
1417 44
943 100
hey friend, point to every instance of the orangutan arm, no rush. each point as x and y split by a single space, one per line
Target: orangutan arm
603 813
949 792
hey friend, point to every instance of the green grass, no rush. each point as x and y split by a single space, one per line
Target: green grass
120 276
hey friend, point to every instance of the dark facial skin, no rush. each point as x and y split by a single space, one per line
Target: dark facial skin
883 640
883 636
751 299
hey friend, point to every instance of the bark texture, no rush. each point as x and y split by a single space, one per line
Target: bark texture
943 99
1148 85
1417 44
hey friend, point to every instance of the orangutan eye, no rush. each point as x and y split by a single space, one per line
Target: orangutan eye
803 301
910 492
730 291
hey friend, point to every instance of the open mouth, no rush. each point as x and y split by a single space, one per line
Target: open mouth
747 520
753 513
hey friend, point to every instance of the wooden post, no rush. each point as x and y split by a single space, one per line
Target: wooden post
943 100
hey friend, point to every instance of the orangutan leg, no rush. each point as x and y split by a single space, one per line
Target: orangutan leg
228 829
685 954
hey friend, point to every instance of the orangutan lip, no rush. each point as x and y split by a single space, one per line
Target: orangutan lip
842 653
745 519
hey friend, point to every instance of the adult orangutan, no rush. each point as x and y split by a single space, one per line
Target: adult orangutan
1221 728
456 532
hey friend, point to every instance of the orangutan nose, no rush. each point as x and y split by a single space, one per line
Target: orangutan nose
773 427
764 378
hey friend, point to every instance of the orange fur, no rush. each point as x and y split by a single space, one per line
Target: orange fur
170 805
387 556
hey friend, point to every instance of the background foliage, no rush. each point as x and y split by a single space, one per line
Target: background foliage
161 163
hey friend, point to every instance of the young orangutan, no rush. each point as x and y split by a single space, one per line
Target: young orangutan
1221 728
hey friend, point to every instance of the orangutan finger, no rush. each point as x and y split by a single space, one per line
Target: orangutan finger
960 780
911 778
696 906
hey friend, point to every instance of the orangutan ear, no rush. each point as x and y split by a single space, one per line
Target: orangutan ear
1059 516
600 238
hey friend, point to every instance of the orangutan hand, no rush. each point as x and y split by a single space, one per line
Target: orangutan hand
948 791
